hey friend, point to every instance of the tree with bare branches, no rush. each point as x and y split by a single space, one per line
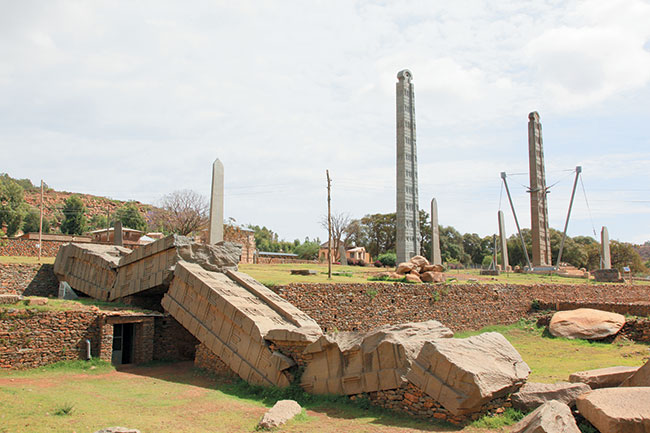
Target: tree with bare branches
182 212
340 223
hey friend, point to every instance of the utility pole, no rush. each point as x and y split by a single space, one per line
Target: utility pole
568 215
329 226
514 214
108 223
40 227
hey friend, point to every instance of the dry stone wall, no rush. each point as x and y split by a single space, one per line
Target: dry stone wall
362 307
29 247
28 280
31 338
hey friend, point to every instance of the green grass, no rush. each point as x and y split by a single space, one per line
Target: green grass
508 417
25 259
554 359
71 305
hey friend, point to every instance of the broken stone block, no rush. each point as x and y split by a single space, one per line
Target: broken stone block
640 378
279 414
432 277
533 395
551 417
404 268
419 261
586 323
465 373
603 377
617 410
353 363
410 278
36 300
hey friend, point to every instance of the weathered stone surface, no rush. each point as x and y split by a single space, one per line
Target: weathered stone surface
118 430
433 268
9 299
433 277
586 323
534 394
551 417
352 363
419 261
603 377
640 378
617 410
463 374
279 414
410 278
234 316
607 276
405 268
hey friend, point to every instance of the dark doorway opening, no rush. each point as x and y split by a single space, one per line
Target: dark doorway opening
122 343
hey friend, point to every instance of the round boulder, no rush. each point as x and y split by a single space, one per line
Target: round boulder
586 323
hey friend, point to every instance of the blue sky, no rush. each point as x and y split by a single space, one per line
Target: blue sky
134 101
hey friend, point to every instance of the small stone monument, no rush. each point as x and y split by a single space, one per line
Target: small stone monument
118 234
216 204
343 259
436 259
504 242
605 257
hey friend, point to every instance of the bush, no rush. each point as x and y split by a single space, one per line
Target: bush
378 264
388 259
361 263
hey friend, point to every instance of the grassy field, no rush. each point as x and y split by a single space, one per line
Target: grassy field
176 398
25 259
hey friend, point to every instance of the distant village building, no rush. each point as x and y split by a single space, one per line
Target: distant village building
356 253
239 235
130 237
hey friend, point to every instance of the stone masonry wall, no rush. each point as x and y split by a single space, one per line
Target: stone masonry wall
361 307
28 279
31 338
207 360
172 342
29 247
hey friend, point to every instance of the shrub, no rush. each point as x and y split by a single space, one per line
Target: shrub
388 259
361 263
378 264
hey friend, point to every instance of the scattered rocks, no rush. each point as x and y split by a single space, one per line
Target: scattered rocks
603 377
533 395
640 378
432 277
465 373
36 301
586 323
410 278
551 417
279 414
118 430
404 268
617 410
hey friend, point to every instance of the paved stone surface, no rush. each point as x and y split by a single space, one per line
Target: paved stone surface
534 394
463 374
603 377
586 323
551 417
640 378
617 410
352 363
279 414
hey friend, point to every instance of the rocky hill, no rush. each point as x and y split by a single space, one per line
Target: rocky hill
53 202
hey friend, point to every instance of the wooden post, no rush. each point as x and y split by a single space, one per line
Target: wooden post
40 227
329 226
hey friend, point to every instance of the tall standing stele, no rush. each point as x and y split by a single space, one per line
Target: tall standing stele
216 204
408 227
538 205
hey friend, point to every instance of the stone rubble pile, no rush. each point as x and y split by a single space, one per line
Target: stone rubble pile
418 270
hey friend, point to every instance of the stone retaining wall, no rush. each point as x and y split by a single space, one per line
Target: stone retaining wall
364 306
29 247
31 338
28 279
207 360
639 308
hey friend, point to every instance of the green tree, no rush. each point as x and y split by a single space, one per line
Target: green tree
624 254
74 216
425 234
12 204
97 222
308 250
130 216
32 221
379 233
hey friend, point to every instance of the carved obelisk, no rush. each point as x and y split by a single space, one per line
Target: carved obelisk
538 203
605 256
504 242
216 204
408 227
436 259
